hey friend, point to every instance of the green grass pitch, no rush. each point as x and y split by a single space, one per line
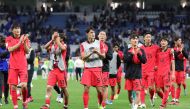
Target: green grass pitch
75 99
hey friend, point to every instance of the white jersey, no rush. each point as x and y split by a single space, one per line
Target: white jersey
113 63
94 60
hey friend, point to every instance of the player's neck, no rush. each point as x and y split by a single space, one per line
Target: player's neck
16 35
148 44
134 46
90 40
164 48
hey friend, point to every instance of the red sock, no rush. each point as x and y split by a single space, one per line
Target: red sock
66 102
151 91
172 89
178 92
100 98
142 94
3 88
103 103
165 97
160 94
184 85
85 99
14 97
118 91
112 97
24 94
47 101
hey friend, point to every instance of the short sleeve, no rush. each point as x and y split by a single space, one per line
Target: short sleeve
81 48
8 42
102 47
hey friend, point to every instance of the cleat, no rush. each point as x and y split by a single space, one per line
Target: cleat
177 102
65 107
60 100
15 107
172 102
143 106
25 105
116 96
108 102
30 99
6 101
45 107
162 107
58 97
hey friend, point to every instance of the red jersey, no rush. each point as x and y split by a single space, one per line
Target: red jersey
18 57
164 59
120 53
150 52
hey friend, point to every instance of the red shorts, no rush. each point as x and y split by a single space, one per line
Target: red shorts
14 74
92 77
163 80
112 81
105 78
148 79
133 84
119 74
56 75
179 75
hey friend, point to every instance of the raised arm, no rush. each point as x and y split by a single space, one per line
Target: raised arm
12 48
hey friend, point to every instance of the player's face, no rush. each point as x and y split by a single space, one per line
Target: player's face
116 48
102 36
164 43
16 31
134 41
179 42
147 38
91 34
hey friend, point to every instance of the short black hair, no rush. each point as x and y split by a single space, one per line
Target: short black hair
147 32
177 38
89 28
16 25
2 39
63 36
164 38
115 44
134 36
